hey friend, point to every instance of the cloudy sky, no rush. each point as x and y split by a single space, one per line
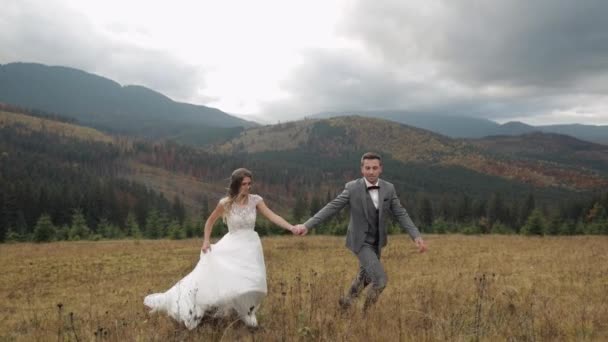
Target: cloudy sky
541 61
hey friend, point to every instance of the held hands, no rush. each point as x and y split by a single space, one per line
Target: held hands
299 230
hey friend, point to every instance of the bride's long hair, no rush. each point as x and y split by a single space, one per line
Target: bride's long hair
235 186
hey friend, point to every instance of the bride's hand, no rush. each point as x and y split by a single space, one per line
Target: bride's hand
206 246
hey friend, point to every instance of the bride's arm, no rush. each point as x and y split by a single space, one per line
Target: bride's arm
217 212
274 218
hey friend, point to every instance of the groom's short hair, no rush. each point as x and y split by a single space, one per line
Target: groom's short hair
371 155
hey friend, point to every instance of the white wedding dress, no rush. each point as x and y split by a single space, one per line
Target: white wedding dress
232 276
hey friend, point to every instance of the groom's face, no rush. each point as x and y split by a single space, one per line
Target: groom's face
371 170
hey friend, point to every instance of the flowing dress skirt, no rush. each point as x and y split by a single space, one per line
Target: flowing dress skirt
232 276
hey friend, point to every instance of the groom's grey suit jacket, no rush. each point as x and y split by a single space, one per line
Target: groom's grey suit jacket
356 196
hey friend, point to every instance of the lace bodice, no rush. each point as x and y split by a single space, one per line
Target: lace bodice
242 216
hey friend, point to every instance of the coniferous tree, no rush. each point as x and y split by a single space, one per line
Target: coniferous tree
300 208
44 231
315 205
62 233
479 208
465 210
425 212
535 225
496 209
132 227
153 229
79 229
163 221
178 210
175 231
526 209
445 209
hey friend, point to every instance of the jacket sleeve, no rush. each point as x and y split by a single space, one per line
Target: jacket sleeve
329 210
401 215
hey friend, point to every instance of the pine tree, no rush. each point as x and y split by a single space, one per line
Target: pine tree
526 209
315 205
132 227
153 229
44 231
79 229
496 209
535 225
425 212
178 210
300 208
175 230
445 209
465 210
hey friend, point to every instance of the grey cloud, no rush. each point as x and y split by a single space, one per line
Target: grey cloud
551 43
52 34
541 56
339 80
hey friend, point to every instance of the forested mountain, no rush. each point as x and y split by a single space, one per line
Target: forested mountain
463 126
104 104
556 163
76 182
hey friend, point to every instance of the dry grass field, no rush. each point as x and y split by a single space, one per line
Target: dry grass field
467 288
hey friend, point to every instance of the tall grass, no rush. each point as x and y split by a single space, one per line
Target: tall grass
467 288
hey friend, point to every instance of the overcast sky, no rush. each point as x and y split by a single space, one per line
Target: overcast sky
541 61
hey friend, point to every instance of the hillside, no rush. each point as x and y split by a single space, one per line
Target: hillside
549 147
343 135
462 126
34 124
104 104
77 174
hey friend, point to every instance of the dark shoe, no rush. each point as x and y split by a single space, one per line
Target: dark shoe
345 303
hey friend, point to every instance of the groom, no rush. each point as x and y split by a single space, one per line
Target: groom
370 199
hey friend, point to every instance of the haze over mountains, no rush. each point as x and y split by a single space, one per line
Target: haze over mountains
102 103
105 104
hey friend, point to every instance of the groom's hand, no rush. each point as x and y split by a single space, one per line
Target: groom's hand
421 245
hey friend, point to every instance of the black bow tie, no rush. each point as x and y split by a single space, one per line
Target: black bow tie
373 187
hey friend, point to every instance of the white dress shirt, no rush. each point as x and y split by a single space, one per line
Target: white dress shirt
373 193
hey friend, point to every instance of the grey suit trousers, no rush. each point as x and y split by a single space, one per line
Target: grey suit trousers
370 267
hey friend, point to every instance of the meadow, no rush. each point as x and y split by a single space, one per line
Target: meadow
466 288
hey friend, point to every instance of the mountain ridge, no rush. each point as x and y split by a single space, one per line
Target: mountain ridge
102 103
459 126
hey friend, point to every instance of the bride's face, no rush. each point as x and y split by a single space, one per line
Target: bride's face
245 186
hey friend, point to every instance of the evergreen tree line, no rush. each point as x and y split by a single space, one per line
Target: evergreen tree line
56 188
48 179
446 214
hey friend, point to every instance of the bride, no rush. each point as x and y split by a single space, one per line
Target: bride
231 274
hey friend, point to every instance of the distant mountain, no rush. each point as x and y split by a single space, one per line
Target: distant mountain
451 126
102 103
598 134
469 127
549 147
330 140
512 128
